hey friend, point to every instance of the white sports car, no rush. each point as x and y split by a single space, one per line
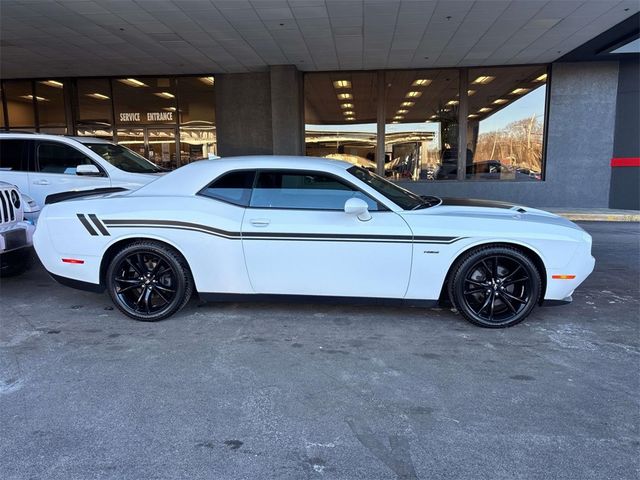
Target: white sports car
295 227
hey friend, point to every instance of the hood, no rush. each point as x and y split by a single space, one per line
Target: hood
491 209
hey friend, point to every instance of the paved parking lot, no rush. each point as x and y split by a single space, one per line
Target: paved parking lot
258 391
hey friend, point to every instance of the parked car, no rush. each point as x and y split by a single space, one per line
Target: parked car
265 227
40 165
16 233
485 170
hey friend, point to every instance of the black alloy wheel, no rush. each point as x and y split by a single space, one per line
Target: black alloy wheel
495 287
149 281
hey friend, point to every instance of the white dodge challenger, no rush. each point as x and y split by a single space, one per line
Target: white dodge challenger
307 228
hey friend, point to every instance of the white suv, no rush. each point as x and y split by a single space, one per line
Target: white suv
16 233
41 165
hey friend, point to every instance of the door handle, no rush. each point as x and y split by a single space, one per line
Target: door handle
260 222
42 182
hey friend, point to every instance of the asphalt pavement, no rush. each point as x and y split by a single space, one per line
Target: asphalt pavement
259 391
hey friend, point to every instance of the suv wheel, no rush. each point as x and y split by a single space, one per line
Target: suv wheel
149 281
495 287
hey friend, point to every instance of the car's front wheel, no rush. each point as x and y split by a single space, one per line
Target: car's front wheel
495 287
149 281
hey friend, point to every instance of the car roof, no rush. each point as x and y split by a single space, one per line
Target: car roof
191 178
46 136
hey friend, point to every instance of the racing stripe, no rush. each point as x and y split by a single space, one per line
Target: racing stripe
98 224
86 224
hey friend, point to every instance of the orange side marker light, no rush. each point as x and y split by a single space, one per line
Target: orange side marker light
563 277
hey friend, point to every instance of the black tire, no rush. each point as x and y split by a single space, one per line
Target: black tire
15 263
495 287
149 281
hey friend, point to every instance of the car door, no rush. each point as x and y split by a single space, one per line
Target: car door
297 239
55 171
14 162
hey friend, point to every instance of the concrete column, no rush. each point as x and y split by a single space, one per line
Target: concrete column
381 121
463 111
243 114
287 110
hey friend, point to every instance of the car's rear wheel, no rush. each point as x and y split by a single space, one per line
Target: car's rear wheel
495 287
149 281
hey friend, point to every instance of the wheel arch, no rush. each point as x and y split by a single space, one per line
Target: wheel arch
123 241
527 250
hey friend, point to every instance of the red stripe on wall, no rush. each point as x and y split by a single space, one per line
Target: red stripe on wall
625 162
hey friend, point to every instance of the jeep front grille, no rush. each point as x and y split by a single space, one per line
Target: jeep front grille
7 211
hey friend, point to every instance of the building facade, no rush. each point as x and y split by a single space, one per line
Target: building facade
554 134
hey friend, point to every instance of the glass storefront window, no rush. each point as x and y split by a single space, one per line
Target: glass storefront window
421 124
340 116
2 109
506 123
196 102
19 96
50 102
95 112
145 101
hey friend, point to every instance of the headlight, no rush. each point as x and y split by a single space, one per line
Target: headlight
15 199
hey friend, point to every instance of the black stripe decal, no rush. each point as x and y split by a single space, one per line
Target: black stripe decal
98 224
317 237
86 224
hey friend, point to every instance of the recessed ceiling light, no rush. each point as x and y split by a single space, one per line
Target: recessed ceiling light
346 105
483 79
433 117
407 104
97 96
398 117
170 109
500 101
413 94
345 96
520 91
473 115
39 99
132 82
52 83
395 121
165 95
421 82
342 84
350 119
348 113
208 80
541 78
485 109
471 92
402 111
453 102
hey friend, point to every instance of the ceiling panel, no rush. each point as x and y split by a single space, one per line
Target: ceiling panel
240 35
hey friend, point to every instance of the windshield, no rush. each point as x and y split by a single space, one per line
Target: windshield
123 158
403 198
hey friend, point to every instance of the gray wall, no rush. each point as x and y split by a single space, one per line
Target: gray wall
260 113
582 108
243 114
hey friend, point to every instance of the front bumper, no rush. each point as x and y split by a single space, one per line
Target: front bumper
17 236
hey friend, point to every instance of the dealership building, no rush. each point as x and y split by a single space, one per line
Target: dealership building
529 101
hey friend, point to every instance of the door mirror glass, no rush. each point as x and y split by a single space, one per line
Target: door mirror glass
87 169
357 207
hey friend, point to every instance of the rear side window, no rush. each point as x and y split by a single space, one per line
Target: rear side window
234 187
14 155
60 158
304 190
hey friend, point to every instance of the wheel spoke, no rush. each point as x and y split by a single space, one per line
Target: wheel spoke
515 299
128 280
487 269
493 306
473 282
486 303
494 272
511 282
137 302
130 287
147 296
164 289
137 270
508 277
474 290
509 305
157 291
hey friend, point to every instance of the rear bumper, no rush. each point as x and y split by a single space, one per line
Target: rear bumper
555 303
77 284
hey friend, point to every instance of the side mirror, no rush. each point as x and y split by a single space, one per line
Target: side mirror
357 207
88 169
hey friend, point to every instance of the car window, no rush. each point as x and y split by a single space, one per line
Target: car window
60 158
304 190
14 155
123 158
234 187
